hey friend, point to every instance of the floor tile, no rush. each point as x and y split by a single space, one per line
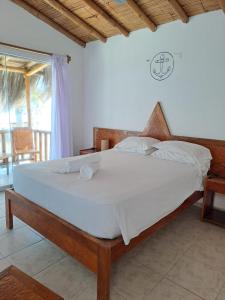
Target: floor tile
3 229
166 290
189 226
91 291
16 240
16 224
221 295
2 210
211 253
179 237
36 232
212 234
157 254
2 204
66 278
37 257
4 263
2 198
132 280
198 277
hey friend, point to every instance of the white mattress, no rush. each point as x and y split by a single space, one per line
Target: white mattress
129 193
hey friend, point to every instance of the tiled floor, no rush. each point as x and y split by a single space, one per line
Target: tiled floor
184 261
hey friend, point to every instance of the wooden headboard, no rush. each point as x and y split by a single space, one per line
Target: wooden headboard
157 127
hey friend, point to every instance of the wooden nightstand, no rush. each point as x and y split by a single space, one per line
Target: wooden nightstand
209 213
88 151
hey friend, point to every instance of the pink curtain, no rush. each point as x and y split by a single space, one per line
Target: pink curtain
61 134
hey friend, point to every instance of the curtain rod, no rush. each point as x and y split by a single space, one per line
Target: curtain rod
32 50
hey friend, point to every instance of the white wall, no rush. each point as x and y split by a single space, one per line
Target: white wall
120 93
19 27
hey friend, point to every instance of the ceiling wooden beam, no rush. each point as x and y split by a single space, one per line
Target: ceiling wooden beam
222 4
35 69
75 19
29 64
141 14
12 69
179 10
48 21
106 16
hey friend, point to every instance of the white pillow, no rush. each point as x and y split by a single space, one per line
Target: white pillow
169 155
185 148
184 152
136 144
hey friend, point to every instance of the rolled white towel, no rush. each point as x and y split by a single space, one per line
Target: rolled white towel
74 165
87 171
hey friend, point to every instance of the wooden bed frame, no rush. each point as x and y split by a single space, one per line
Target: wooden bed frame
99 254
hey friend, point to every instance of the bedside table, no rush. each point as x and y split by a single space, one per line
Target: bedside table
88 151
209 213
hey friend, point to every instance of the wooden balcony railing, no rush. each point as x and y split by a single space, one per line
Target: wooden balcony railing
41 143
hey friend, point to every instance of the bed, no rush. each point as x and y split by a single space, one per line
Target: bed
97 221
122 179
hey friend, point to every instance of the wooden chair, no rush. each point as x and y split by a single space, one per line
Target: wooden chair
23 144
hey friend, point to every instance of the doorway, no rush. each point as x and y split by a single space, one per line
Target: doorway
25 114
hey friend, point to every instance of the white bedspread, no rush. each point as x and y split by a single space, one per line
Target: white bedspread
129 193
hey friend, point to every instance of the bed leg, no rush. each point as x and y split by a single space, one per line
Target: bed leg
207 204
104 273
8 213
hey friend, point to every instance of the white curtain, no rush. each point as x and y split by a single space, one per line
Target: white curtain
61 133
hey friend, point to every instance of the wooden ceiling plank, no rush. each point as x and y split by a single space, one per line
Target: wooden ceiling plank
48 21
141 14
35 69
106 16
75 19
222 4
179 10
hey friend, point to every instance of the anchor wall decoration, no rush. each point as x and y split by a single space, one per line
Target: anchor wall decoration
162 66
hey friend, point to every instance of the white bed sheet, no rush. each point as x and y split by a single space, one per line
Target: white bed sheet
129 193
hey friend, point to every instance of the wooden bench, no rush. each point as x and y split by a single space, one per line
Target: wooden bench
16 285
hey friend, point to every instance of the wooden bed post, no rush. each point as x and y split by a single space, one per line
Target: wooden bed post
208 200
103 273
8 213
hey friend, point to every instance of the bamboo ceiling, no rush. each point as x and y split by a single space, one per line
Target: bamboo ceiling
88 20
20 65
